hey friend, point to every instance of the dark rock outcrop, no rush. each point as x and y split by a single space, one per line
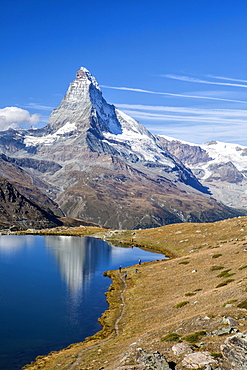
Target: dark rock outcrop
17 212
189 154
39 165
225 172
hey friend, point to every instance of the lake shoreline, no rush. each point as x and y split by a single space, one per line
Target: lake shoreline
155 295
110 316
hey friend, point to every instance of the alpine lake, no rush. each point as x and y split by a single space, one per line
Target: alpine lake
52 291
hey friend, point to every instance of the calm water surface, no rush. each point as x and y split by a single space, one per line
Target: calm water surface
52 292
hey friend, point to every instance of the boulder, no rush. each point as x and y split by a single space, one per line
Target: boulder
234 351
152 361
232 322
181 348
198 359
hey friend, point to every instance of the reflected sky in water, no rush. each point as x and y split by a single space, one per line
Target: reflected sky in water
52 292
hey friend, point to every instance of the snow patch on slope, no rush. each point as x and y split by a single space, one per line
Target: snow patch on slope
138 140
69 127
220 152
169 138
226 152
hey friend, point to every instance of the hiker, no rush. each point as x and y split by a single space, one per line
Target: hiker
125 276
139 261
136 271
120 268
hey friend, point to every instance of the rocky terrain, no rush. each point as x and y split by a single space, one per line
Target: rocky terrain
187 312
95 163
18 212
22 204
221 167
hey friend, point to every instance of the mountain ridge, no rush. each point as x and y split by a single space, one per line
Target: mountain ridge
107 168
222 167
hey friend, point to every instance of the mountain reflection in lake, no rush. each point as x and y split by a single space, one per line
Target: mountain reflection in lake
52 292
78 259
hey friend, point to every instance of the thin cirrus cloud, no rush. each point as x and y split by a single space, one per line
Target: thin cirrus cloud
185 114
173 94
37 106
200 81
226 112
227 78
196 125
188 133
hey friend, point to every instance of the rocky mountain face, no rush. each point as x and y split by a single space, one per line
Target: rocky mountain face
18 212
20 172
221 167
100 165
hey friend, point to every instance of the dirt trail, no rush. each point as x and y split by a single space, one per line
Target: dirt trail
74 365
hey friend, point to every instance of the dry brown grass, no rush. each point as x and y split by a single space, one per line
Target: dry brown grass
153 296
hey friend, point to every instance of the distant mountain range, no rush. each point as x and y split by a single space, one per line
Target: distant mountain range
222 167
95 163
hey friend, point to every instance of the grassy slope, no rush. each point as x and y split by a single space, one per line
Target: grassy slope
152 294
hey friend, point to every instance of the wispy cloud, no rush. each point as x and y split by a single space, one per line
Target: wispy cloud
227 78
187 110
197 80
37 106
204 132
196 125
173 94
194 116
187 118
191 123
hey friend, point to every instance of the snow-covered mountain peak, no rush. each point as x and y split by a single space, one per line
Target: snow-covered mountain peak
220 166
84 105
100 164
221 152
217 152
84 113
83 74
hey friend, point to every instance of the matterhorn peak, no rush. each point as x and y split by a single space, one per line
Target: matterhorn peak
84 106
83 74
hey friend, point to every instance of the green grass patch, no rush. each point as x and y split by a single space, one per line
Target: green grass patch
230 302
194 338
181 304
216 355
198 290
243 304
224 283
242 267
171 337
226 273
184 262
217 255
216 268
189 294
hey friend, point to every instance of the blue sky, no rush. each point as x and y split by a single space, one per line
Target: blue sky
177 66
